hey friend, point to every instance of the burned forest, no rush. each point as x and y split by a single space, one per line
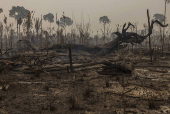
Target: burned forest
67 68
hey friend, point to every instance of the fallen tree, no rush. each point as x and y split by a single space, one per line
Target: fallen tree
124 37
131 37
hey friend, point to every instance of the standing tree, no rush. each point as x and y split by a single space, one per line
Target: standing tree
37 27
160 18
57 32
6 29
47 41
11 35
25 23
1 33
29 23
136 28
18 12
1 28
96 37
65 21
166 2
105 20
19 21
50 18
149 26
132 29
145 27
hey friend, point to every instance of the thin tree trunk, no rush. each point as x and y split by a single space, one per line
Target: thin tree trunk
11 39
50 28
58 36
135 38
104 34
6 43
164 28
168 42
17 29
41 30
19 33
161 40
149 35
70 58
6 37
47 43
132 44
1 42
146 40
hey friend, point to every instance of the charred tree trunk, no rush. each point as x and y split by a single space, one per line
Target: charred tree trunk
146 40
168 43
6 43
17 29
149 35
161 40
47 43
1 42
19 33
164 29
41 30
70 58
104 34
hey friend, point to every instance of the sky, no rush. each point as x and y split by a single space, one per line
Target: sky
118 11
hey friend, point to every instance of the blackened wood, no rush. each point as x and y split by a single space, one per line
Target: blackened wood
70 58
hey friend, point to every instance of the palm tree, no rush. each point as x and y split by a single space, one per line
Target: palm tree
18 12
105 20
50 18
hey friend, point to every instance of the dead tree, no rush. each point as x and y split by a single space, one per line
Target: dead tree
1 33
131 37
70 58
151 52
46 36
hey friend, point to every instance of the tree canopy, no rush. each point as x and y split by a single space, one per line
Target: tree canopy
18 12
67 20
104 20
167 1
49 17
159 17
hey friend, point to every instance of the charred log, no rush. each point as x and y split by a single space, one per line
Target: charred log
131 37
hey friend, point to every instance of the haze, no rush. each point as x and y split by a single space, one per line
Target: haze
118 11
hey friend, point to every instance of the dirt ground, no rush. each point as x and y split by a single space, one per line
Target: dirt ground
145 91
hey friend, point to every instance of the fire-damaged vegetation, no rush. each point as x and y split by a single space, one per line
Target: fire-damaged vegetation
32 83
61 74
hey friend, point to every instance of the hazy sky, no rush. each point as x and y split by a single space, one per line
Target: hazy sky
118 11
